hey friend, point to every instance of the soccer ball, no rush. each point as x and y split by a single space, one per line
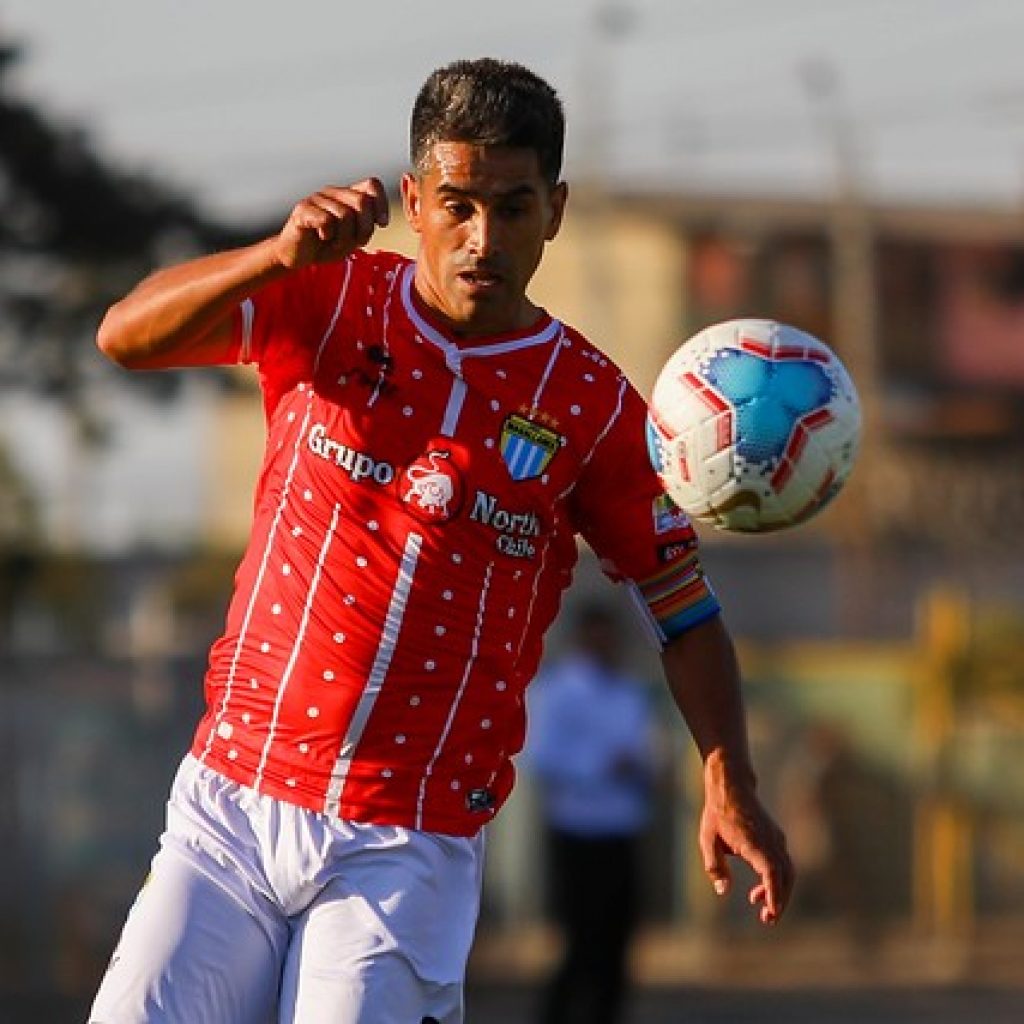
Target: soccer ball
753 426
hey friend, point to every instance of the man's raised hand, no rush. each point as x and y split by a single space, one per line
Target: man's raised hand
331 223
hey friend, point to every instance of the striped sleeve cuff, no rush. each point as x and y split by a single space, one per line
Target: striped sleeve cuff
677 598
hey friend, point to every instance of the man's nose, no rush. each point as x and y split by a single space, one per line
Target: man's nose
483 233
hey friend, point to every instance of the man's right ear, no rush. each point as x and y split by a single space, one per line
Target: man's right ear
411 200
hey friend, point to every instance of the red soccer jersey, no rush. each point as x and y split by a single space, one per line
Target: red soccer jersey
415 526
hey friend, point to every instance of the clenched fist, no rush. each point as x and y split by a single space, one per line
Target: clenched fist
330 224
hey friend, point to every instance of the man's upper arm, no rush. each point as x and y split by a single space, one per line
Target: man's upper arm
216 346
639 534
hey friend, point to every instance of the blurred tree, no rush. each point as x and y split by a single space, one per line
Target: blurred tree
75 233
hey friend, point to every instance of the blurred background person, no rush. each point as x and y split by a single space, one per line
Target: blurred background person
826 792
593 752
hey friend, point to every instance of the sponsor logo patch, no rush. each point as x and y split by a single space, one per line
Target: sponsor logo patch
480 800
431 487
670 552
668 516
515 530
358 465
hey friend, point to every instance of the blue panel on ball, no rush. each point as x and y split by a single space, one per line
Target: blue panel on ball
764 428
737 375
768 397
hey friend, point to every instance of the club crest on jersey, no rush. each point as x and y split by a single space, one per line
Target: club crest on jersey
527 447
431 487
668 515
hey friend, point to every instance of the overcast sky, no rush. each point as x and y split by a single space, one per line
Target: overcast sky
251 103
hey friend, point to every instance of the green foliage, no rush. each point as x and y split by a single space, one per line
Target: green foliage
76 233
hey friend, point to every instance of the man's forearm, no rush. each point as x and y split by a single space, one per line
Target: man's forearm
181 315
704 679
705 682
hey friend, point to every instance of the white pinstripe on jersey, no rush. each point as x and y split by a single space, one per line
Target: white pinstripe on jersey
289 667
375 680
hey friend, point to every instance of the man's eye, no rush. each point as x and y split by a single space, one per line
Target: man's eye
458 210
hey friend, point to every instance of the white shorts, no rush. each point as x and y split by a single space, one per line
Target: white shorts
257 911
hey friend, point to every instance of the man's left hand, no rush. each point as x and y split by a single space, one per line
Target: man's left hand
734 823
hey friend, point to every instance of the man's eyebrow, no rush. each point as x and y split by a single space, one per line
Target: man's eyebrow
516 192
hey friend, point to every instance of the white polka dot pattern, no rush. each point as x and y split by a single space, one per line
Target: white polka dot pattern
385 622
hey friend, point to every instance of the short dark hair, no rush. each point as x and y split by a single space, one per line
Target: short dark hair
489 102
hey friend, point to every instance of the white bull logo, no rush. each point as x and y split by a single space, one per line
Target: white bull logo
431 488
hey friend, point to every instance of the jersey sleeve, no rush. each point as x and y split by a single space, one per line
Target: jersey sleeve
640 536
282 327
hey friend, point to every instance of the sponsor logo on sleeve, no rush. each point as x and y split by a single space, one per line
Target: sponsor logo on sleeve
675 550
668 516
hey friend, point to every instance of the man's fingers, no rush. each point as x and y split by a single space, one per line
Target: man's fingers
315 217
762 845
769 912
366 200
374 190
351 212
332 222
716 864
775 872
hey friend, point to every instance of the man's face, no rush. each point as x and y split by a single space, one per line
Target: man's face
483 215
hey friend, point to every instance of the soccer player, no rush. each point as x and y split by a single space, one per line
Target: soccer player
435 443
